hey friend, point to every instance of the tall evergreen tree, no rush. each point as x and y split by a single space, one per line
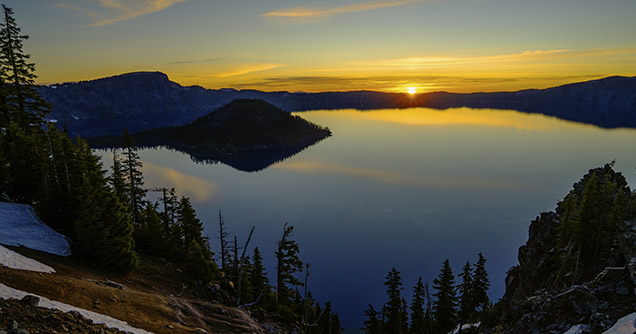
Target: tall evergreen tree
117 179
287 264
134 178
445 306
258 276
191 225
373 324
151 235
396 313
466 294
481 283
103 231
22 101
418 320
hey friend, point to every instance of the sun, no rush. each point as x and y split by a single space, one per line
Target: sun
411 90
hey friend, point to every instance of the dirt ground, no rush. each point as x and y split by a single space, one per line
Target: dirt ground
155 297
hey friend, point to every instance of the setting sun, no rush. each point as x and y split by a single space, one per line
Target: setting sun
411 90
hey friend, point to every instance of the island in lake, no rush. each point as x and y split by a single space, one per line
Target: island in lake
246 134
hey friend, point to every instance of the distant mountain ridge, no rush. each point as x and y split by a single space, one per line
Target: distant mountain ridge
144 100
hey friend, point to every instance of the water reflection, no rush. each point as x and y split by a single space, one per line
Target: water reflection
198 189
252 161
401 188
400 179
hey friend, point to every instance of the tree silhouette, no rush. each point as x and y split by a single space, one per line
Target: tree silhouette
22 102
445 306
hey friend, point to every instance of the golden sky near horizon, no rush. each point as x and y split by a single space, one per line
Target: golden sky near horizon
382 45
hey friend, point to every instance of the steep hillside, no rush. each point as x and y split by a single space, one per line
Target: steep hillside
157 297
578 267
145 100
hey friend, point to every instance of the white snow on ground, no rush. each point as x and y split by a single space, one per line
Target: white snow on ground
576 329
624 325
19 226
11 259
465 327
8 292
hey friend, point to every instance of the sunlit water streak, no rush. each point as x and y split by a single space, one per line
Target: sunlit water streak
400 188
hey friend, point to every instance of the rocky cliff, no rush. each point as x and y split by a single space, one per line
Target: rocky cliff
556 286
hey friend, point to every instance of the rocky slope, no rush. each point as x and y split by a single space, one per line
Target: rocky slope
548 292
156 298
144 100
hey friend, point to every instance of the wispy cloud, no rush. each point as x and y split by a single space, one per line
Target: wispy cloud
304 13
106 12
246 69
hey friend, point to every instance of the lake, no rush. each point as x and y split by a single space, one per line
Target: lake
403 188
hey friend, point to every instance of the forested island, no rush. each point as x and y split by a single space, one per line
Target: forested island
246 134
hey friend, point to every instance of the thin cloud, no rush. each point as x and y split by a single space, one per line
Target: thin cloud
246 69
300 13
106 12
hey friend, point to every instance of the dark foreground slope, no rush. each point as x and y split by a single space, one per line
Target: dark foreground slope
246 134
578 266
145 100
157 297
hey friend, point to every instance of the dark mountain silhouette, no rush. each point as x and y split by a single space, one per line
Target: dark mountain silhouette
246 134
145 100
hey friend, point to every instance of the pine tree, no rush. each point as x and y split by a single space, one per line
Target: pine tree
134 178
336 328
151 235
374 323
258 276
481 283
197 262
395 310
120 248
429 320
418 320
569 219
103 231
466 294
287 264
191 225
445 307
22 102
117 179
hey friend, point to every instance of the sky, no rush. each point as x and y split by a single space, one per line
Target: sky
328 45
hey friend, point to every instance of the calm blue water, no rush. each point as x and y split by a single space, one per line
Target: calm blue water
399 188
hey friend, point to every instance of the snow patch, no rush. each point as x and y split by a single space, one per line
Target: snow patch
577 329
11 259
465 327
624 325
74 117
19 226
8 292
53 86
53 120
